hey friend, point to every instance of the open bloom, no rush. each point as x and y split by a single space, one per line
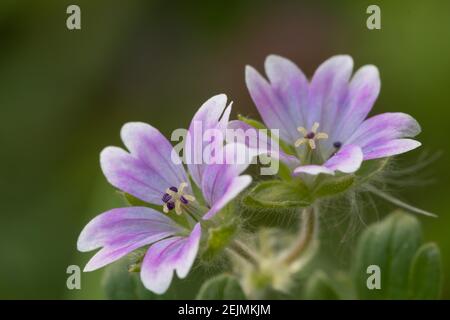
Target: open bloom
147 171
324 119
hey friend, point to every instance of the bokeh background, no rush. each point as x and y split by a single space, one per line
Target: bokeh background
65 94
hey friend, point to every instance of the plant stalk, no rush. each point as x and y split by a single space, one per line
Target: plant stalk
242 251
306 235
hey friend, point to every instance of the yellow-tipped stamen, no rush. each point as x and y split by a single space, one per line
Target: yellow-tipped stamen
321 135
315 127
175 198
188 197
311 136
299 142
302 131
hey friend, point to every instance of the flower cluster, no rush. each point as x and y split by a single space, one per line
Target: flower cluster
322 126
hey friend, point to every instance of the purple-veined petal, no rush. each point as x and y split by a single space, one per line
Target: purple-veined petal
133 176
327 92
169 255
213 114
148 170
390 148
151 147
259 141
218 177
273 111
313 169
290 86
385 127
348 159
121 231
362 94
231 191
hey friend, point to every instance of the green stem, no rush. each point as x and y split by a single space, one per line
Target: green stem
305 236
242 251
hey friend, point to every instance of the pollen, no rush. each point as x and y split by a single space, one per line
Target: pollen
175 198
310 137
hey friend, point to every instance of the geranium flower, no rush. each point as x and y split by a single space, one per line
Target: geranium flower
147 171
324 120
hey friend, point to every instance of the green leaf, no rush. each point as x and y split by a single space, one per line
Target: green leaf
330 186
320 287
390 245
221 287
426 273
278 195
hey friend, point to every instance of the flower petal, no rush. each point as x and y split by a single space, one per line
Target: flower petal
290 85
348 159
148 169
313 170
213 114
274 112
218 178
231 191
259 142
121 231
163 257
151 147
384 127
327 92
362 94
390 148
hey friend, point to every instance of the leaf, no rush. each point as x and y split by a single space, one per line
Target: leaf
221 287
278 195
390 245
331 186
320 287
426 273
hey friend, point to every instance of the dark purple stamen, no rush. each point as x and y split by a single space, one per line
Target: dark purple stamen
184 200
310 135
166 197
170 205
337 144
174 189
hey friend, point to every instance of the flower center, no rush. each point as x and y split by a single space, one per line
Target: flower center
311 136
175 198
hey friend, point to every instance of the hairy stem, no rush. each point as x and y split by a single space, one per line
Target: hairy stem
242 251
305 236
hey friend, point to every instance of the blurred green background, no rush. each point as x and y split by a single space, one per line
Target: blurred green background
65 94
